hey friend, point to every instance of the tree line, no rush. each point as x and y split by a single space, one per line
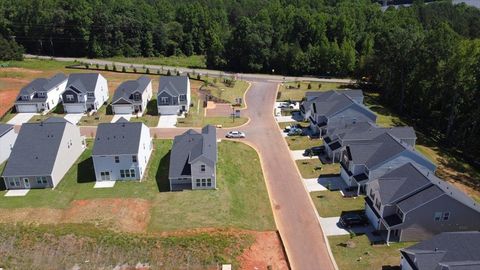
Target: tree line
424 60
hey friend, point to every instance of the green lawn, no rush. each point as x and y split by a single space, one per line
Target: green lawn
332 203
282 125
385 118
40 64
220 90
358 254
313 168
194 61
101 116
296 94
302 142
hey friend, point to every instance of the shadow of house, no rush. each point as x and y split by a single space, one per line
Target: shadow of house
2 184
161 176
86 172
152 108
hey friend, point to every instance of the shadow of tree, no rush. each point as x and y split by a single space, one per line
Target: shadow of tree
391 267
161 176
86 172
2 185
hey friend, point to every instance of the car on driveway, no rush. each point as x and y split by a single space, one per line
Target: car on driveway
235 134
295 131
286 105
353 219
314 151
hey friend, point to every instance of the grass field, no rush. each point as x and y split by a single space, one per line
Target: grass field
220 90
332 203
302 142
296 94
358 254
313 168
194 61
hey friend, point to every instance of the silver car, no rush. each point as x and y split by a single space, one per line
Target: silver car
235 134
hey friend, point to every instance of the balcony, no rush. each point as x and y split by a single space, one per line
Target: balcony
345 168
372 207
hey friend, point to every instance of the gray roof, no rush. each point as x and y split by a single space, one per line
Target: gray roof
190 146
42 85
420 198
374 131
448 250
174 85
4 128
35 150
83 82
127 88
119 138
336 103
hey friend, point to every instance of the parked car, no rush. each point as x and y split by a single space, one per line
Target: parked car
235 134
314 151
286 105
288 128
295 131
353 219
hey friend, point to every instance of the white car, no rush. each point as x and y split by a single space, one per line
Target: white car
235 134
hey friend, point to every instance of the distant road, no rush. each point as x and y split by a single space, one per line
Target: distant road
213 73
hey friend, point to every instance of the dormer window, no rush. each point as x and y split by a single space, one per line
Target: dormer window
137 96
41 94
25 97
91 95
183 97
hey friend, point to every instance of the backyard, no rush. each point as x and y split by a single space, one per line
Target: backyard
332 203
302 142
290 90
313 168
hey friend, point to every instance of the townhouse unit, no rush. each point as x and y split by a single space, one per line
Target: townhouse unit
173 95
193 160
410 204
132 97
7 140
121 150
41 95
311 96
367 160
84 92
336 140
445 251
42 154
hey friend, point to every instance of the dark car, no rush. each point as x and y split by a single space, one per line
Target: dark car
314 151
353 219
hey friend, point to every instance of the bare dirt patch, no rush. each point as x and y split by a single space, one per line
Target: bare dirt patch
25 70
31 215
266 251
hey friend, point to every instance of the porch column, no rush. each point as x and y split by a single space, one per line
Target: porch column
358 189
388 237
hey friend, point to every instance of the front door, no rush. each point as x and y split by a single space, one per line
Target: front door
26 181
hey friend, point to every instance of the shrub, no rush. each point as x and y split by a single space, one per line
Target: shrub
135 69
87 66
198 77
106 67
309 86
97 66
178 73
169 73
319 85
114 68
147 71
158 71
124 70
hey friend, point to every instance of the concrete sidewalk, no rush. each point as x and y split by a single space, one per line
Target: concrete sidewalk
74 118
118 116
324 183
21 118
167 121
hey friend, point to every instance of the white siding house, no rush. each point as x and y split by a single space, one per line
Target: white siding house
41 95
7 140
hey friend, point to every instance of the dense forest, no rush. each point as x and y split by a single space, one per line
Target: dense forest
424 60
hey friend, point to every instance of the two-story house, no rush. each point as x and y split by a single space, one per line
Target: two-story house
336 140
7 140
193 160
84 92
337 111
132 96
42 154
121 150
410 204
173 95
444 251
311 96
367 160
41 95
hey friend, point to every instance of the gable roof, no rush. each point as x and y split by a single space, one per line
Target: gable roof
368 133
35 150
190 146
4 128
127 88
337 103
119 138
447 250
173 85
42 85
83 82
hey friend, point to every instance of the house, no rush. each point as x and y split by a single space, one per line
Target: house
410 204
7 140
193 160
445 251
132 96
311 96
42 154
367 160
41 95
338 110
121 150
84 92
336 140
173 95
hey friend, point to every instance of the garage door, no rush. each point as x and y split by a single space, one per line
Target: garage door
168 110
74 108
26 108
125 109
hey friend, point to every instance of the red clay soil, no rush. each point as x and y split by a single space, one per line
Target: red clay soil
266 251
9 88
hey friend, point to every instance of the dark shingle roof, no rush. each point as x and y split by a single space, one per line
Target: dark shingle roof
119 138
36 148
448 250
4 128
174 85
420 198
188 147
83 82
42 85
127 88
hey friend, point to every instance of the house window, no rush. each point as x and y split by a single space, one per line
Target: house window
204 182
69 97
446 216
132 173
377 204
41 180
122 173
198 182
400 213
372 195
91 95
209 182
202 168
183 97
105 175
164 100
127 173
14 182
437 216
117 159
41 94
134 159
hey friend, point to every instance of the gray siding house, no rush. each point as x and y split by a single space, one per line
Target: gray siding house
41 95
132 97
445 251
7 140
84 92
121 150
42 154
367 160
411 205
193 160
319 96
173 95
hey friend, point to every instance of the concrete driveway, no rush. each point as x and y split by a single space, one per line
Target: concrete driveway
324 183
298 154
21 118
118 116
167 121
74 118
331 227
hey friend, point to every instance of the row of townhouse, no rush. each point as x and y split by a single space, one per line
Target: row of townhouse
42 153
404 200
84 92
